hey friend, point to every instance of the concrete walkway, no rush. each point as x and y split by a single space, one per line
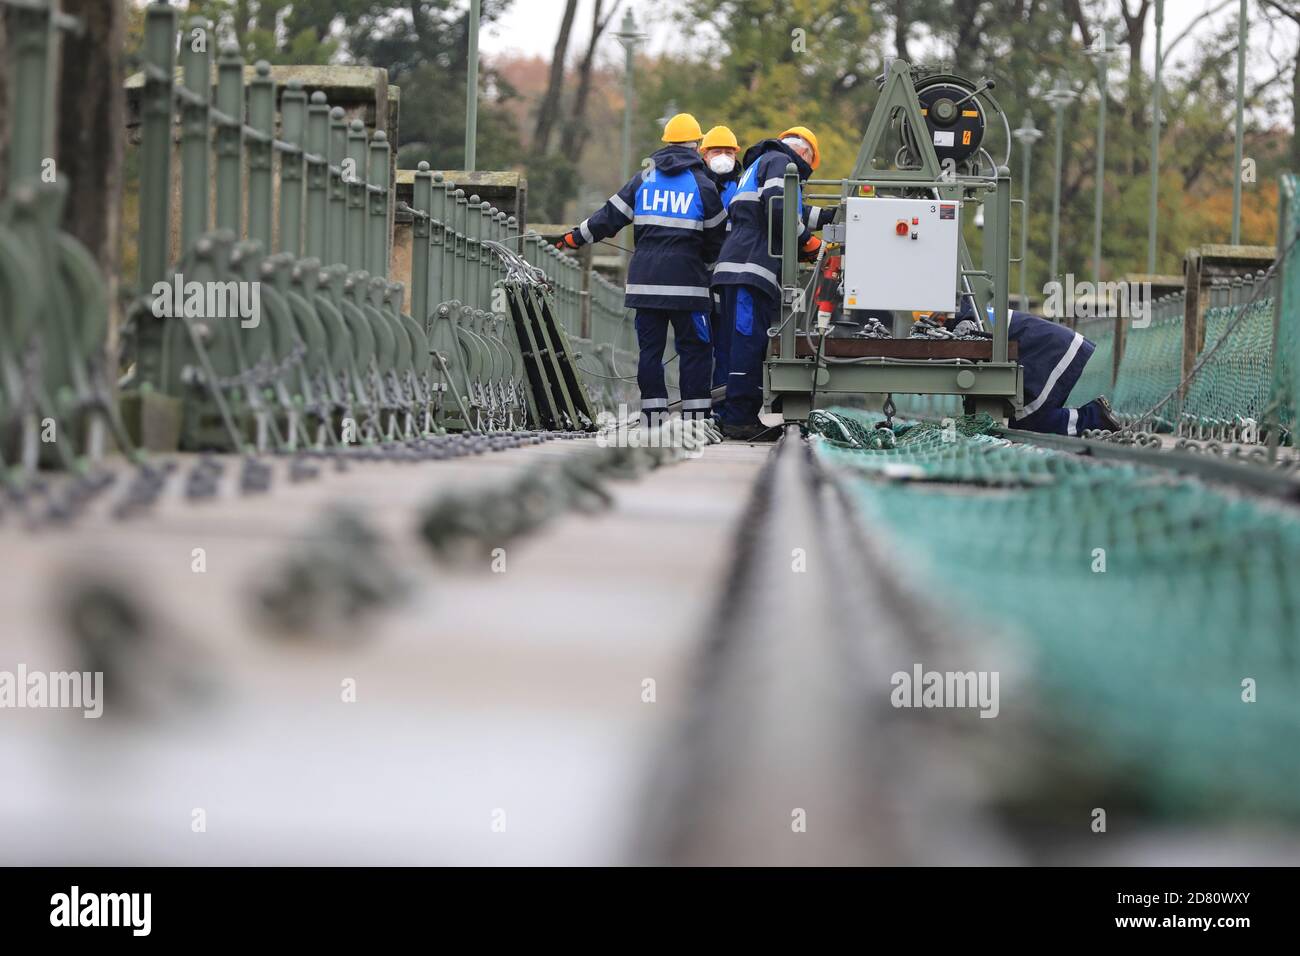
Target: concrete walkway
499 716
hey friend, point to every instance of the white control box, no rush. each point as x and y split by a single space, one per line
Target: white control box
901 254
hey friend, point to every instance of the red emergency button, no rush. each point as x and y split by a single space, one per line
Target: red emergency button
901 228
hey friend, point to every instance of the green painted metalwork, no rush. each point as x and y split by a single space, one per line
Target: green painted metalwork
994 386
196 132
1156 126
156 145
337 211
293 125
230 140
334 357
55 399
317 224
294 337
377 236
261 155
354 176
471 89
1285 405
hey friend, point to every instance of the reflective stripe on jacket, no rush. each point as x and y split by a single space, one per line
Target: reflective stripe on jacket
678 223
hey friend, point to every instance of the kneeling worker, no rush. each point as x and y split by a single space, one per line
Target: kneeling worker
749 277
678 224
1052 357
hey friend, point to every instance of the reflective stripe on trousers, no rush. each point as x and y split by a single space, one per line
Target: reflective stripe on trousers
1055 420
750 314
690 338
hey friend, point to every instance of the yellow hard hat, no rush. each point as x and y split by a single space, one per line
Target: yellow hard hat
683 128
805 133
721 138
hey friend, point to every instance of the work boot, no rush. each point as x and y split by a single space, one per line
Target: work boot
751 432
1107 414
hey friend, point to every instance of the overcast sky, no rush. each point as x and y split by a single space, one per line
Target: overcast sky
531 25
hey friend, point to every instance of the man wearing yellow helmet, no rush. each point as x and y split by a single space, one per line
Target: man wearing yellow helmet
719 150
678 224
748 275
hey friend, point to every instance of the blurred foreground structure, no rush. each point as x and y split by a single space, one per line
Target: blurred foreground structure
377 579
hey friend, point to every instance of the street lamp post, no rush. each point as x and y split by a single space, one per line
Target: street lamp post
1241 109
1026 135
631 39
1060 97
471 90
1155 138
670 110
1102 50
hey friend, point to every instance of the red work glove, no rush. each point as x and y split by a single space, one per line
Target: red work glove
567 242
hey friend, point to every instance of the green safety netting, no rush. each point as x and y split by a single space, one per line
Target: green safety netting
1236 380
1151 366
1096 377
1136 670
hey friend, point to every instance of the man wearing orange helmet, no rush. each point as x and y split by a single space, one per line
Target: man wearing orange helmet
748 276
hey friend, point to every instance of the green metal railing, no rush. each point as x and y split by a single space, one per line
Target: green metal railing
266 317
55 392
337 360
1285 406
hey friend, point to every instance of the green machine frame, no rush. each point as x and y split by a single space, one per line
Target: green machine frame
989 381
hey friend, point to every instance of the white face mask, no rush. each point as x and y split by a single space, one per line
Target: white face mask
722 164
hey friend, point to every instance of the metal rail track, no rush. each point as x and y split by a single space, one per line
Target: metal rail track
792 753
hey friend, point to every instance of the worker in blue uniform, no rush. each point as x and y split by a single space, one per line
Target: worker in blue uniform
720 150
678 224
748 275
1053 357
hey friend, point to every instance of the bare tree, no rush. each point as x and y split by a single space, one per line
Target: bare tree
1290 12
576 129
91 119
1074 10
902 24
242 13
1196 22
1135 25
548 113
4 110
